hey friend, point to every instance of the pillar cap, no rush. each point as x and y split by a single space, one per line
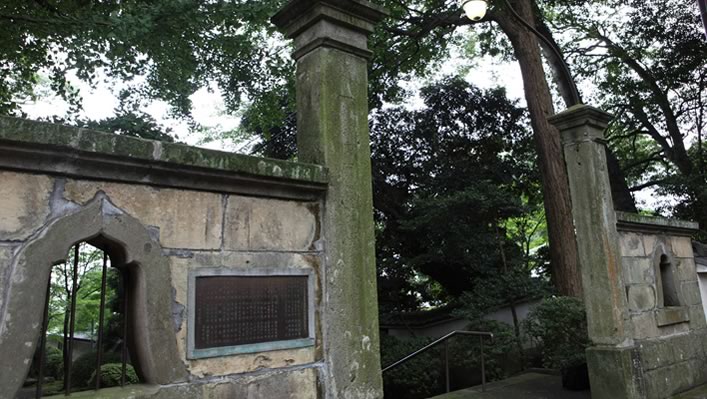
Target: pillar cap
298 15
581 115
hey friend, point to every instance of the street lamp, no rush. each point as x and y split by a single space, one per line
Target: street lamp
475 10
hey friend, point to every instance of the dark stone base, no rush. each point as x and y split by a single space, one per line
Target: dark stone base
576 378
615 373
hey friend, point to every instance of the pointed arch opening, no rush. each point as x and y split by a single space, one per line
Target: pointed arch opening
145 284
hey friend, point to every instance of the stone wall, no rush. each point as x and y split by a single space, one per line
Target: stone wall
645 318
167 210
671 340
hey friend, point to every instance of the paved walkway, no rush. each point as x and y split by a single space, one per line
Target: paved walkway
526 386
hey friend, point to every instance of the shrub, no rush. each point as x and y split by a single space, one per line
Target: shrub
423 376
111 373
465 351
55 363
560 326
416 379
85 365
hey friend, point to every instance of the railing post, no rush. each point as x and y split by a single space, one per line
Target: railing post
446 363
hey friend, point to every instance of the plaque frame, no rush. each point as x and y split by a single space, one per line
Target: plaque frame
193 353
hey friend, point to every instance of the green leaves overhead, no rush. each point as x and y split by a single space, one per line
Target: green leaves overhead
175 47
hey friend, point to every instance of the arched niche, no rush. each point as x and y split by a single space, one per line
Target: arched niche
666 284
151 330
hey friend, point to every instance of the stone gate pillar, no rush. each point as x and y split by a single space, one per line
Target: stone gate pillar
610 357
331 51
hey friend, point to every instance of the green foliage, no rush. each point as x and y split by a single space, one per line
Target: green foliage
84 367
652 74
133 124
54 363
418 378
499 352
443 179
560 326
177 46
423 376
88 293
111 374
498 290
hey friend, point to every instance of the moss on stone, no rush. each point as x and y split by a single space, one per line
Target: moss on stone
41 133
636 218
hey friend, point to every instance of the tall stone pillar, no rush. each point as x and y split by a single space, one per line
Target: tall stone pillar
331 51
611 357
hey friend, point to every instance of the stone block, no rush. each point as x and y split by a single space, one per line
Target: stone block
186 219
615 373
631 244
257 224
697 317
681 346
655 354
690 293
644 325
667 381
671 315
5 263
24 204
649 243
686 269
674 329
297 384
682 247
641 298
638 270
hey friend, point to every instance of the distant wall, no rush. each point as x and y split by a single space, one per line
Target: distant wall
441 328
163 211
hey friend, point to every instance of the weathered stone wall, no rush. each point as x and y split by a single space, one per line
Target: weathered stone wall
269 215
671 340
645 318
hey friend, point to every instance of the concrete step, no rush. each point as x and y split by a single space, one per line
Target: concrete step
531 385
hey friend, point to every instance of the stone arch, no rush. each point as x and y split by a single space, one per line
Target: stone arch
152 331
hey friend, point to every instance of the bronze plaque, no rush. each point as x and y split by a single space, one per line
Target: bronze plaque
238 310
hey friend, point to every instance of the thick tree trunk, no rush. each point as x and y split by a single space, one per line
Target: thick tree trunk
556 194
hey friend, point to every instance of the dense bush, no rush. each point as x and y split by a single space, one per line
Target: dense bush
55 363
560 326
85 365
416 379
111 373
423 376
465 351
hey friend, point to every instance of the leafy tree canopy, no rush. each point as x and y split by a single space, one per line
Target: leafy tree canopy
445 178
652 74
167 49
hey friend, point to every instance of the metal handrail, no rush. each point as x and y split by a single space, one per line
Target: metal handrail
480 334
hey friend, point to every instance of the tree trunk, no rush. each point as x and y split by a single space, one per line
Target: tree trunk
511 302
556 194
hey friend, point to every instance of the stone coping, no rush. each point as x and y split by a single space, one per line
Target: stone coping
58 149
650 224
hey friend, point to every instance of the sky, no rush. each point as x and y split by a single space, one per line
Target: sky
209 109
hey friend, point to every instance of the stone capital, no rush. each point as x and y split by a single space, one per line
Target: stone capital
580 123
340 24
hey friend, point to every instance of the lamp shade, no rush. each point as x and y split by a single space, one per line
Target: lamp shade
475 10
